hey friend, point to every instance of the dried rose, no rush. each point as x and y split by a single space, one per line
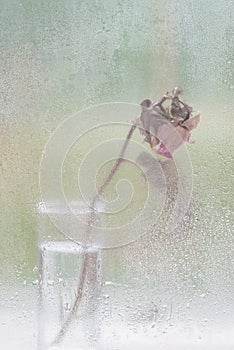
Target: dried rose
165 129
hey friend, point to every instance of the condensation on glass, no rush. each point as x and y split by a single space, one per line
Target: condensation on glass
57 58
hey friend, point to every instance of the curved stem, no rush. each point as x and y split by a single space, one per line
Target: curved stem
85 263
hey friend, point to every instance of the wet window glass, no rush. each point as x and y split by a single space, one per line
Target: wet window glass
112 237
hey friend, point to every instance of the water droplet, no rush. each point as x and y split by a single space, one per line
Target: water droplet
50 282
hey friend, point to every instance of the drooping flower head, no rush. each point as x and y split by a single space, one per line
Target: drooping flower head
166 128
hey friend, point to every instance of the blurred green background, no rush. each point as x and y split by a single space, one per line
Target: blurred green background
59 57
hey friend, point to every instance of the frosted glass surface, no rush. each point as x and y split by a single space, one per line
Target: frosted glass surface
59 57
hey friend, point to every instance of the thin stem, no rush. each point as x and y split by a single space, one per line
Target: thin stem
85 264
116 165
